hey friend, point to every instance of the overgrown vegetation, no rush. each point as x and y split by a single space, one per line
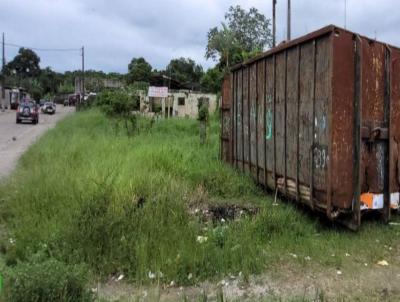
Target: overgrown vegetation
119 105
50 280
121 204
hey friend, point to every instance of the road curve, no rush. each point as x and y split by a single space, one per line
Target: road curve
16 138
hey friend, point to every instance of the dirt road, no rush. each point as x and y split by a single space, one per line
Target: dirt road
16 138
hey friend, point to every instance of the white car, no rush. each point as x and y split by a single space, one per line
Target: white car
49 107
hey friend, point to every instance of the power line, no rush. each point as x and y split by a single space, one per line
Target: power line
43 49
81 50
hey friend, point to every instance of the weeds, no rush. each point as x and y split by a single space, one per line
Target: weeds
50 280
121 205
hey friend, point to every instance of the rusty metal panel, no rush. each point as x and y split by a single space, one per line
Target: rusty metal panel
226 127
261 174
292 113
321 112
270 120
239 115
280 113
253 119
306 110
394 121
233 118
246 118
373 156
317 118
341 157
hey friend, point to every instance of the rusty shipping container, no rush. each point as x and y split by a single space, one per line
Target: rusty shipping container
318 119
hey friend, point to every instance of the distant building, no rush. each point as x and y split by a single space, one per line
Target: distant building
95 84
12 97
178 103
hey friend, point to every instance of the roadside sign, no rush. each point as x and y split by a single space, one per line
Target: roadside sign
158 92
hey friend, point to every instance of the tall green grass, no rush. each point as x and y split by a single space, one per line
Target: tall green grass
88 193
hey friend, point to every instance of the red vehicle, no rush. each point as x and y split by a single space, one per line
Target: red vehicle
27 111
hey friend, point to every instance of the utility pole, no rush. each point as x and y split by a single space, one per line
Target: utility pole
83 72
288 21
345 14
273 23
3 94
169 88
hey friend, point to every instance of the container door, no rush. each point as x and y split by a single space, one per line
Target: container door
376 152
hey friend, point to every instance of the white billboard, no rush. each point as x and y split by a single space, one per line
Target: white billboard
158 92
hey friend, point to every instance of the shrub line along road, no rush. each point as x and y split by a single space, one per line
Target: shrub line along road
15 139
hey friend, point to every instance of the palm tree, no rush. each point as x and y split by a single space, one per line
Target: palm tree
221 43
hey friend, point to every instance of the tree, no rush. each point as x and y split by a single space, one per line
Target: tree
66 88
251 28
35 89
212 80
247 33
49 80
185 70
24 65
222 43
139 70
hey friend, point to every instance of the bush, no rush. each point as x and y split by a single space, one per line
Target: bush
116 103
50 280
120 105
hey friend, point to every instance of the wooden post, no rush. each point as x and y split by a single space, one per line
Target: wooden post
168 106
203 133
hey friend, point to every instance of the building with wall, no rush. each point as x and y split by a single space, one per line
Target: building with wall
12 97
93 84
179 103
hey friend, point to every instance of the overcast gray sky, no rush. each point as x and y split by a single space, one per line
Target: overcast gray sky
115 31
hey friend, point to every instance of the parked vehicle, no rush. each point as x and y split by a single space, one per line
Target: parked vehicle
42 102
27 111
73 99
49 107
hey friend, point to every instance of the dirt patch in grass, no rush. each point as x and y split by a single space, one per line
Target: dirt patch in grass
217 213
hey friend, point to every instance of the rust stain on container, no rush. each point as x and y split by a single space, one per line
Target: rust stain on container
318 119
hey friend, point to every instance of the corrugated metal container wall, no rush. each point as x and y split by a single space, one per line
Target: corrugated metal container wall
318 119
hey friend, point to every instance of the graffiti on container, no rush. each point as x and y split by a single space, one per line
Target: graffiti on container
268 119
269 125
320 155
320 124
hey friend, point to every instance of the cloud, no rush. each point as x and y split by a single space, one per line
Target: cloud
113 32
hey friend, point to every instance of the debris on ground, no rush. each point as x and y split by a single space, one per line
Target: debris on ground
383 263
222 213
202 239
